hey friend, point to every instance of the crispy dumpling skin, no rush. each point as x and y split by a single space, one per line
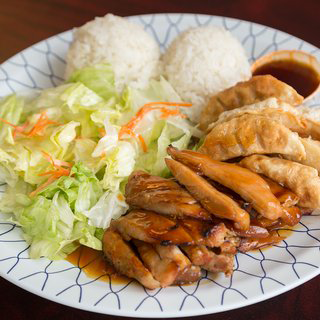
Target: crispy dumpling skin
312 149
302 180
312 120
312 129
251 134
270 108
258 88
282 112
291 117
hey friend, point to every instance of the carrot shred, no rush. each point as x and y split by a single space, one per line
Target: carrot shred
165 113
20 129
42 186
173 104
42 123
17 128
55 162
59 172
143 143
8 123
102 132
55 174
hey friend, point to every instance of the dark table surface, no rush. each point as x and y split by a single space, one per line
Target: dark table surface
25 22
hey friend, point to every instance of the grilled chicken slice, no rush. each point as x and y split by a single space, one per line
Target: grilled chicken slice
152 228
163 269
188 272
163 196
211 199
173 253
285 196
253 232
207 234
248 244
123 258
208 260
250 186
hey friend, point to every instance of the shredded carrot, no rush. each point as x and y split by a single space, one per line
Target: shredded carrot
8 123
55 174
42 123
143 143
37 129
58 172
56 163
171 104
17 128
120 197
20 129
165 113
41 187
102 132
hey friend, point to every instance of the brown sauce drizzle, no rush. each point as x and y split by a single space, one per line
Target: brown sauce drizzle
298 75
95 266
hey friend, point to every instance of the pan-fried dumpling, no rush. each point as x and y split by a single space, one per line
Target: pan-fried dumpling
258 88
296 119
302 180
282 112
312 120
271 108
250 134
312 129
312 149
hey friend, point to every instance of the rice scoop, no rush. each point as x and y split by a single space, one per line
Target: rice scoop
131 51
203 61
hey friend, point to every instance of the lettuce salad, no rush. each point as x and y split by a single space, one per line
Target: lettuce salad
66 155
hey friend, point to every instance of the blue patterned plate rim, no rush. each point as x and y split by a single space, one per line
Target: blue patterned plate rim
166 309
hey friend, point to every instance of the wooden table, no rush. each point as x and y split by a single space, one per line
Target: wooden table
25 22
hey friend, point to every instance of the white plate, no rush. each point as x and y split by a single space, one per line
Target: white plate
258 276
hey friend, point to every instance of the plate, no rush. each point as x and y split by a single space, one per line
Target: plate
258 275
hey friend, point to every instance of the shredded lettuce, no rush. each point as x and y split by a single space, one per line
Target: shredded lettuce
11 109
99 78
111 205
86 116
53 222
120 163
7 173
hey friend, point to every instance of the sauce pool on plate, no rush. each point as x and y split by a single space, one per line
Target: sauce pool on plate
298 75
94 265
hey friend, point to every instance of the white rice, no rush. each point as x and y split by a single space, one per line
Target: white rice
133 54
203 61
